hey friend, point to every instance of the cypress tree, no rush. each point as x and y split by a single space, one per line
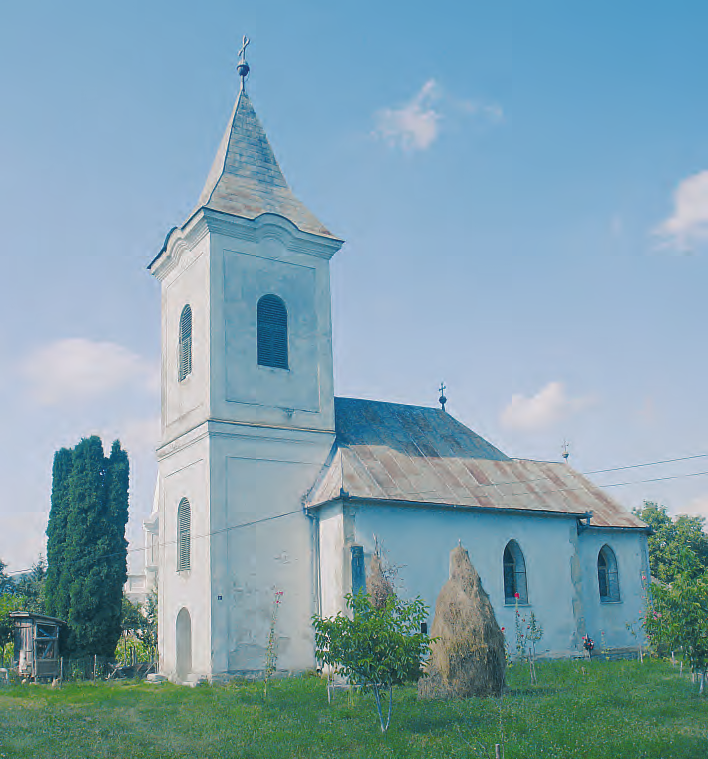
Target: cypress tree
90 563
116 518
57 597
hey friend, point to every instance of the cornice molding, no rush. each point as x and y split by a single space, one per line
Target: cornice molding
263 227
271 226
179 242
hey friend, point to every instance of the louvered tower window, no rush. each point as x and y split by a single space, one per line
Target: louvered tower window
185 342
184 528
272 317
607 575
514 574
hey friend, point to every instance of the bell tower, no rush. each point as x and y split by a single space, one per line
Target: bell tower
247 411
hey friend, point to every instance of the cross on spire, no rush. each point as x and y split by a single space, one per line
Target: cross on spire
566 452
243 68
242 51
443 399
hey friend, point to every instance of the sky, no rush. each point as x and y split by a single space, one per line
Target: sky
522 187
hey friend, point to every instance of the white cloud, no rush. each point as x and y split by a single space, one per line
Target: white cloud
137 436
76 369
549 406
688 225
415 125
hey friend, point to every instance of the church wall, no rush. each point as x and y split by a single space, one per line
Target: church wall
243 269
608 620
184 474
419 541
185 403
259 473
332 558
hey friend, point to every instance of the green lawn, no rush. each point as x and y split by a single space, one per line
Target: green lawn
613 710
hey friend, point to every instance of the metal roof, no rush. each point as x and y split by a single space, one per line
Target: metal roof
245 179
415 455
41 618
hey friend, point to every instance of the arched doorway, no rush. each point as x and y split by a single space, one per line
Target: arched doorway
184 644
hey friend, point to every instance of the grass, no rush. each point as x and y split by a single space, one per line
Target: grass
598 710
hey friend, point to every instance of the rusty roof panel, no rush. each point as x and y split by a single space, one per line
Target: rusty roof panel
412 454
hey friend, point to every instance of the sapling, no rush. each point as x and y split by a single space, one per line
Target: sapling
527 635
271 658
375 648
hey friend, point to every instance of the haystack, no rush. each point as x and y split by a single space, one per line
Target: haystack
468 659
378 586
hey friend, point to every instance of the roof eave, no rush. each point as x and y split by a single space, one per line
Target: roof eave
448 506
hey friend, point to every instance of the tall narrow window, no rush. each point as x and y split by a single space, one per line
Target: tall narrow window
514 574
184 528
185 342
607 575
272 317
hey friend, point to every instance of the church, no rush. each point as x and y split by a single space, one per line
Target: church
269 483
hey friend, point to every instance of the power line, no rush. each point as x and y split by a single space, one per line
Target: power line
174 542
649 463
424 492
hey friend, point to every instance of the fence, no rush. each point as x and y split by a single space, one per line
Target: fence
92 668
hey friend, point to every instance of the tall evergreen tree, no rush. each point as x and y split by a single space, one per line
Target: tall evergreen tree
116 518
57 602
88 559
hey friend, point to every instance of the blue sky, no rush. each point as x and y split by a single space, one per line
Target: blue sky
523 188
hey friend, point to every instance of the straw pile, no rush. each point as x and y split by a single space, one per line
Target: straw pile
468 659
378 586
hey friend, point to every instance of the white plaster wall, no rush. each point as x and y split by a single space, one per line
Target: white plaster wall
258 474
332 555
186 403
419 542
607 620
184 474
249 260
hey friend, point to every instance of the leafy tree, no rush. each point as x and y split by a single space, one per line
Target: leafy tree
8 602
86 545
376 648
147 634
139 627
677 617
31 587
670 538
6 583
131 617
23 594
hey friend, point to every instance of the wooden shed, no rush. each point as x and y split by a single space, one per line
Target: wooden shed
36 645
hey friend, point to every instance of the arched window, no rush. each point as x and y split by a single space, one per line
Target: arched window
607 576
185 342
514 574
184 528
272 317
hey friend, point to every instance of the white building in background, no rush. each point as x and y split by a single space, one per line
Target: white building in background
267 482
